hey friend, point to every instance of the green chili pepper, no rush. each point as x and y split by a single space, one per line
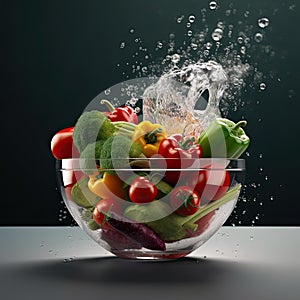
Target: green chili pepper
224 138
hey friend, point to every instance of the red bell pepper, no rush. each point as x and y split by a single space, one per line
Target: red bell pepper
62 144
180 153
122 113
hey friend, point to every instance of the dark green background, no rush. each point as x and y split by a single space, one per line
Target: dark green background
56 56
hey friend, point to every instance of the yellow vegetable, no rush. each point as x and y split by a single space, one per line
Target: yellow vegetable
149 136
109 186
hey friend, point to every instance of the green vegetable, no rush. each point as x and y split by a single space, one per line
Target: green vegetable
90 127
224 138
116 152
172 227
81 194
90 157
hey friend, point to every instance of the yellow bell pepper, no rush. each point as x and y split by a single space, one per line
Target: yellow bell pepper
149 136
109 186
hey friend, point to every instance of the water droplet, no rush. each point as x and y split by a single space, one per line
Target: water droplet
175 58
266 177
251 238
258 37
213 5
260 155
131 30
217 34
243 50
190 33
179 19
137 110
107 92
228 12
292 7
159 44
240 40
247 153
263 22
262 86
246 14
188 24
206 52
208 45
291 94
122 45
192 18
194 46
271 198
171 36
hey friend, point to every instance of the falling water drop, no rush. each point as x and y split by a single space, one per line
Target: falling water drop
263 22
175 58
217 34
213 5
258 37
192 18
262 86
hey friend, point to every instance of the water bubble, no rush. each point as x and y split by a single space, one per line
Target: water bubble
192 18
262 86
217 34
213 5
107 92
263 22
122 45
137 110
258 37
175 58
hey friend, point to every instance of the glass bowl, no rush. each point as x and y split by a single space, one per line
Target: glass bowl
149 209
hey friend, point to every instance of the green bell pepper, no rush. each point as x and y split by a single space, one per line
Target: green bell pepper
224 138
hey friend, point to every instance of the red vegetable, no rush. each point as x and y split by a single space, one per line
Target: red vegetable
122 113
211 183
182 151
103 210
62 144
184 200
142 190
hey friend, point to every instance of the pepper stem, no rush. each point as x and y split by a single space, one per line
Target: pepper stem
150 137
239 124
108 105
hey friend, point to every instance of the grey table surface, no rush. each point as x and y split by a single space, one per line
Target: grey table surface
64 263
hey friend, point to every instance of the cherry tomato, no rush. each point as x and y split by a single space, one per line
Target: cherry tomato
103 209
180 154
184 200
211 183
142 190
62 144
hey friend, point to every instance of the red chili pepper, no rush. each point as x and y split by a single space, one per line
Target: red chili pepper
122 113
180 153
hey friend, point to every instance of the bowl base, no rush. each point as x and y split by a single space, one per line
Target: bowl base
158 256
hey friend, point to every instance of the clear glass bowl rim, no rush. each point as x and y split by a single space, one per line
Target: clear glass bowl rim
229 164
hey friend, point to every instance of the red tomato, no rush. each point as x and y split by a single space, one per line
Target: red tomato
62 144
184 200
103 209
211 183
142 190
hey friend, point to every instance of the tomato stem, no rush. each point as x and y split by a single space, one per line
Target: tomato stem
108 105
